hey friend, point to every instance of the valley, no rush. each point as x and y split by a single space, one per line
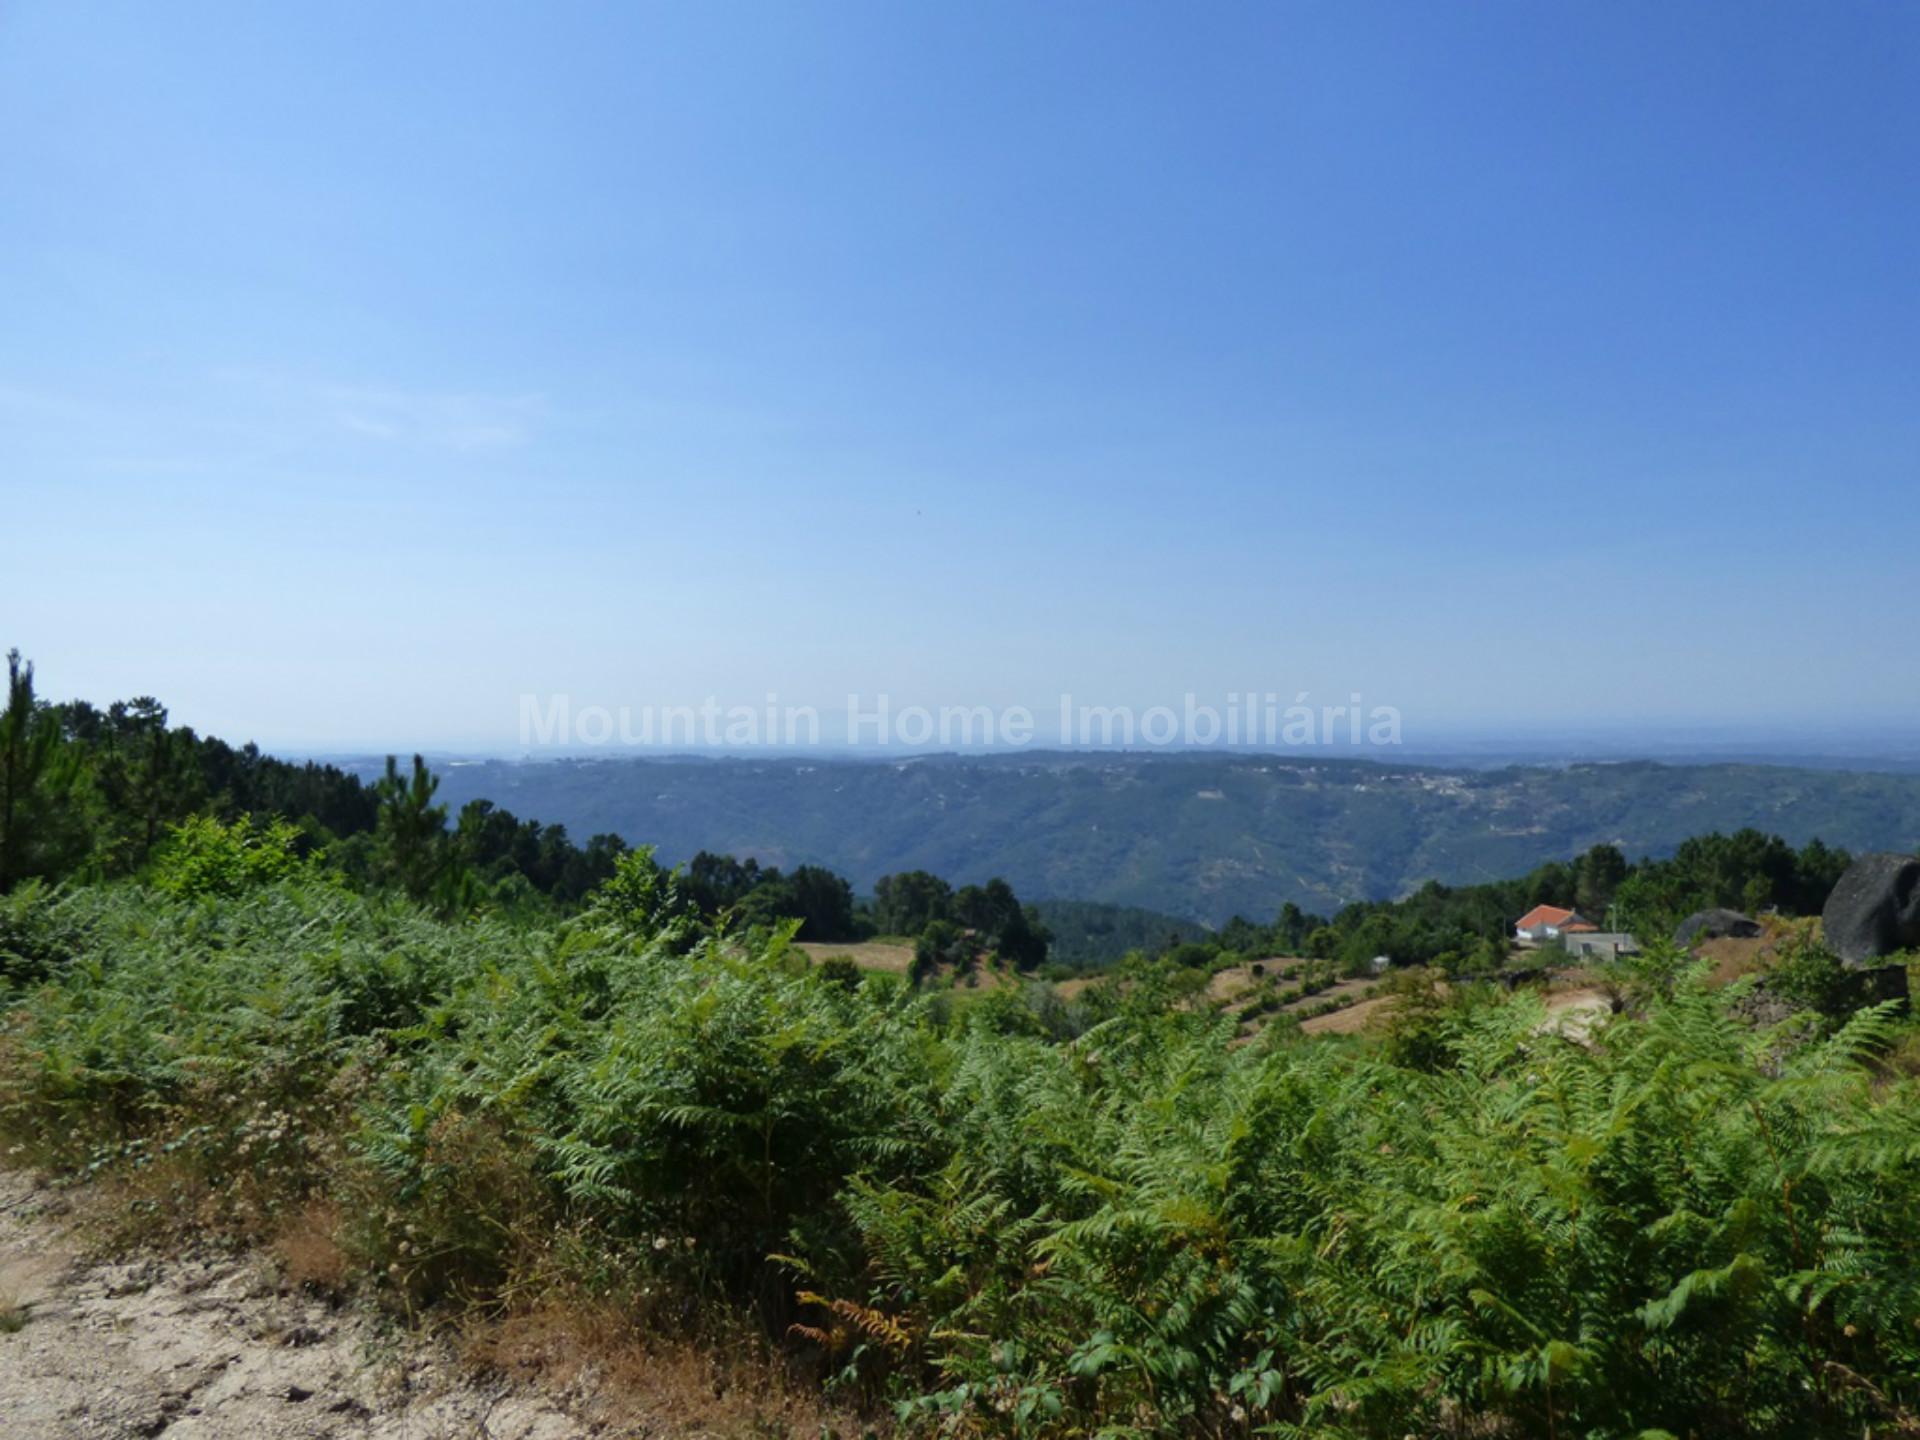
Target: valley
1197 836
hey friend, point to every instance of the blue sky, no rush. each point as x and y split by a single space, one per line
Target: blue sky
363 368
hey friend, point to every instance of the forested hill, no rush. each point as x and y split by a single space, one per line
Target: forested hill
1202 836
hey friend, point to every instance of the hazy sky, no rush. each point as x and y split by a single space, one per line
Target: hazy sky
365 367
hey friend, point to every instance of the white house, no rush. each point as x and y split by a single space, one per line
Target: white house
1544 924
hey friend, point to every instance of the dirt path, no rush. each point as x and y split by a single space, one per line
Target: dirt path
211 1348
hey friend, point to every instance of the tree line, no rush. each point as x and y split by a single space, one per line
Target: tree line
1469 927
93 793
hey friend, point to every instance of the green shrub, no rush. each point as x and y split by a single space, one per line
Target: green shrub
40 931
203 857
840 970
1418 1032
1807 974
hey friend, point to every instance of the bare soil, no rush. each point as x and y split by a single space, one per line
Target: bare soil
214 1346
1576 1013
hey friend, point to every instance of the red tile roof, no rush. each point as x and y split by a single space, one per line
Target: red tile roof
1575 927
1543 915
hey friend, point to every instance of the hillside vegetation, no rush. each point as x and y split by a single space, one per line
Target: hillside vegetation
1199 836
1003 1220
97 793
1011 1211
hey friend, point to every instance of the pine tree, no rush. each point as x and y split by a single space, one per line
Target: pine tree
410 836
149 777
41 830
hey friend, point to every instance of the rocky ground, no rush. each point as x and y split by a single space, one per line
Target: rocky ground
211 1347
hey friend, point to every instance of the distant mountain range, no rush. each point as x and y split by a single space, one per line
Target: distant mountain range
1201 836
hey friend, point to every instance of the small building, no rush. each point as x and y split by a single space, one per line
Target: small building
1545 924
1592 944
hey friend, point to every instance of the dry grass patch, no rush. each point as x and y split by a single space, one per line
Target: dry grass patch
309 1249
1349 1020
1734 957
14 1313
636 1383
1235 982
885 955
